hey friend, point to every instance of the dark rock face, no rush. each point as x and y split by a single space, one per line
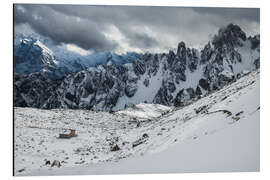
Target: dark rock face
146 82
56 163
198 91
78 78
255 42
33 90
181 52
179 63
47 162
230 36
99 87
171 57
223 79
168 79
139 67
115 148
171 87
206 53
180 97
235 56
145 135
191 93
257 63
204 84
130 90
71 97
192 59
163 97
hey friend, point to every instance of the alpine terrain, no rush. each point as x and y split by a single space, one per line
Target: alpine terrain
189 110
41 81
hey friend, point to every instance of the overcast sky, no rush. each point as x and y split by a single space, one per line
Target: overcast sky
130 28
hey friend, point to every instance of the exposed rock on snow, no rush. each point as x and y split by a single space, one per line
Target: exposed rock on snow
115 148
56 163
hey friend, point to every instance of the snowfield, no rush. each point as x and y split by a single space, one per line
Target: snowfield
217 133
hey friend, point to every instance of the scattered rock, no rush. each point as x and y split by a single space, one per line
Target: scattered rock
235 118
21 170
56 163
115 148
227 112
224 98
146 82
145 135
81 162
47 162
141 140
239 113
138 124
201 109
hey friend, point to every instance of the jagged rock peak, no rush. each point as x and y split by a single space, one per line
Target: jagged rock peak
33 56
230 35
206 53
181 48
255 41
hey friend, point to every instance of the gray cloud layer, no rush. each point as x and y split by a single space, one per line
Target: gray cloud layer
144 28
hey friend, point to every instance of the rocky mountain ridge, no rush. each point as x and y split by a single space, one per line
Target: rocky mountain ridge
32 55
168 79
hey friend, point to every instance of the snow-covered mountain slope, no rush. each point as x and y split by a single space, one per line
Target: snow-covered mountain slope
217 132
33 55
145 112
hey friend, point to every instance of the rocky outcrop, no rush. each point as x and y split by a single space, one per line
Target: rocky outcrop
35 90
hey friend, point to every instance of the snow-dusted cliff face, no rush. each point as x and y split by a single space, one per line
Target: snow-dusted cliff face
33 55
168 79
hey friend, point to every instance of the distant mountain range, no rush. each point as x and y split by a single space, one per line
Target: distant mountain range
32 55
43 80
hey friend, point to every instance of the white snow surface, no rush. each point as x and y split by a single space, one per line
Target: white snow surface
217 133
145 111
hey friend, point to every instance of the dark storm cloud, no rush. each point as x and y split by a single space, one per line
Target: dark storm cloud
63 29
142 27
250 14
143 40
124 18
